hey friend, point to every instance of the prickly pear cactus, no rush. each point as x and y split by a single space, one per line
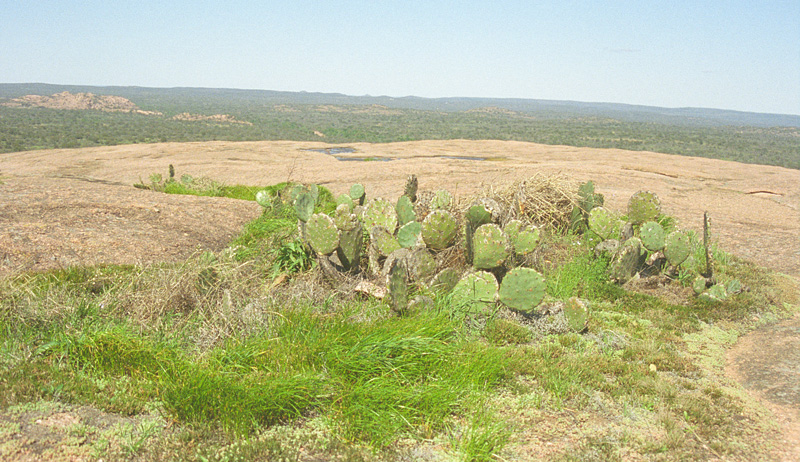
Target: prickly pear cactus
380 212
345 199
442 199
523 239
587 201
322 234
603 222
383 241
358 194
410 189
351 243
699 285
445 280
263 198
643 206
343 219
476 292
652 236
304 206
405 210
439 230
677 247
522 289
476 216
491 247
421 265
409 234
715 293
577 314
628 260
734 286
398 287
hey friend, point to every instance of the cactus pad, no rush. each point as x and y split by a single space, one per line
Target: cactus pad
380 212
523 239
699 285
410 189
476 291
522 289
491 247
357 193
628 260
263 198
343 219
577 314
421 265
405 210
409 234
652 236
351 242
345 199
715 293
442 199
322 234
445 280
304 206
398 287
383 241
643 206
602 222
677 247
439 230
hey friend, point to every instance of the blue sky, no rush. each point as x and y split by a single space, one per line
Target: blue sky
742 55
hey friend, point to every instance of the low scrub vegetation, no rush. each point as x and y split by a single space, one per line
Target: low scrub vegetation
252 353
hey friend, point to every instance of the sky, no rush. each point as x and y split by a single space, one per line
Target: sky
740 55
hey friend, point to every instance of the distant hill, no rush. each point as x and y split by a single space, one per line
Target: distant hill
44 116
222 98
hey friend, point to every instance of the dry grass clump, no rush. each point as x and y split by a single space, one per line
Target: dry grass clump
543 200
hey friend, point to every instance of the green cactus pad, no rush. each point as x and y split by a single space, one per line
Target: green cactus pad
699 285
652 236
322 234
421 265
343 219
603 222
577 314
490 246
522 289
476 291
734 286
351 243
643 206
442 199
264 198
357 193
405 210
479 214
304 206
398 287
345 199
445 280
677 247
523 239
383 241
715 293
409 234
628 260
439 230
380 212
410 189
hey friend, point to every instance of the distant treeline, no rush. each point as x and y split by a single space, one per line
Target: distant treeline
39 128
